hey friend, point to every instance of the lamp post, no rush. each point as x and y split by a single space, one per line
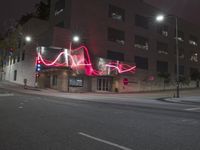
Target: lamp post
75 39
29 39
161 18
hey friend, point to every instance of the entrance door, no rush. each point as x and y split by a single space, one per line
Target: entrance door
104 84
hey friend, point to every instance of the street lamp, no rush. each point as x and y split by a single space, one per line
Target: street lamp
161 18
29 39
75 39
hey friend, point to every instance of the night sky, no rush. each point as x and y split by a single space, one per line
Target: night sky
188 9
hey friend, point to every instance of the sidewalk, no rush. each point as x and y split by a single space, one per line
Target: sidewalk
186 95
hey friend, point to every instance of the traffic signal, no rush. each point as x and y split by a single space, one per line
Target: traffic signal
38 65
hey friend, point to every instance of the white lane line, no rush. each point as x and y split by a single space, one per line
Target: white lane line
193 109
5 95
104 141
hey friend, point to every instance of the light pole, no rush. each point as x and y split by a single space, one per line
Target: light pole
75 39
29 39
161 18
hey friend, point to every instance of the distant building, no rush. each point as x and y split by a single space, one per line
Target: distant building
115 36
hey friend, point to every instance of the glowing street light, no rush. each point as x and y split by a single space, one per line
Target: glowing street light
160 18
28 39
76 38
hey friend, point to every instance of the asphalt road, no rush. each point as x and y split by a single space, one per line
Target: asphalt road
31 122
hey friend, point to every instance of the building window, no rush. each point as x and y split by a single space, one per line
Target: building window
75 82
115 55
141 42
193 40
59 7
23 55
141 21
61 24
18 58
181 69
194 74
181 52
162 67
180 36
141 62
54 80
162 48
116 35
194 57
15 75
116 13
14 59
163 30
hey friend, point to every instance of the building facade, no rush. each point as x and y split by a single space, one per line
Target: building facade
115 37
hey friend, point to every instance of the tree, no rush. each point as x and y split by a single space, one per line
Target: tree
43 10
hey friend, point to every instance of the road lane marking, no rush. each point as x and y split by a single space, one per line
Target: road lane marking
104 141
20 107
5 95
193 109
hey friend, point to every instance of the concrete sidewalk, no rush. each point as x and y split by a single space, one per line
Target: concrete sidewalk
186 95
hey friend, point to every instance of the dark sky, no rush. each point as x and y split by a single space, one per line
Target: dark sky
188 9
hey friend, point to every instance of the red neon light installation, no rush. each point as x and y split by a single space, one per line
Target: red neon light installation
86 62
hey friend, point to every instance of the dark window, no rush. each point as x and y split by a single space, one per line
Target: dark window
141 42
180 35
162 66
181 69
117 36
60 4
115 55
15 75
14 59
181 52
18 58
193 40
141 21
194 74
75 82
116 13
163 30
141 62
23 55
162 48
54 80
61 24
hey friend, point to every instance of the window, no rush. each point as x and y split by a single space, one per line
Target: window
141 21
194 73
18 58
181 69
163 30
116 13
141 42
14 59
162 66
117 36
23 55
115 55
194 57
180 36
61 24
54 80
15 75
193 40
162 48
75 82
181 52
141 62
59 7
